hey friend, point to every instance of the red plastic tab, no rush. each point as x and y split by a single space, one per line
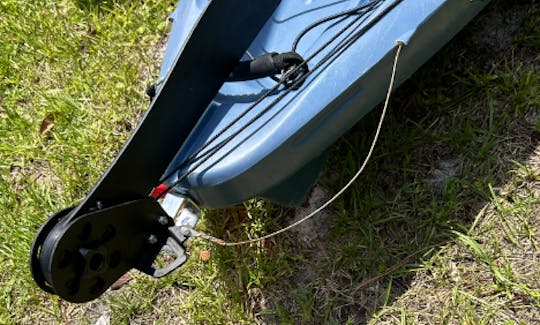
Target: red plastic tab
158 191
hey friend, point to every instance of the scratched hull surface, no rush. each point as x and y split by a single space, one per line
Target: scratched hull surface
280 154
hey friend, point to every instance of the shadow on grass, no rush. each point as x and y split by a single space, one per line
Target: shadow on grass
452 132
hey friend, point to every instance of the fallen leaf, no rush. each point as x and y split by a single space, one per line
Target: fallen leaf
205 255
122 281
47 124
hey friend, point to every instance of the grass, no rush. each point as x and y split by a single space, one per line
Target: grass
77 68
442 228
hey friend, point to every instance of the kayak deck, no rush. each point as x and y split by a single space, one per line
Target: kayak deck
280 154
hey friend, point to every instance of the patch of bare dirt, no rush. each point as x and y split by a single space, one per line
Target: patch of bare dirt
39 172
314 231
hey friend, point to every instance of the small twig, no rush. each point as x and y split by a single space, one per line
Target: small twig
393 268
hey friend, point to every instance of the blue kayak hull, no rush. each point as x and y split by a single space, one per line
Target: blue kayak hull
279 156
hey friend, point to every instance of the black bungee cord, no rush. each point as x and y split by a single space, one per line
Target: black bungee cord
348 12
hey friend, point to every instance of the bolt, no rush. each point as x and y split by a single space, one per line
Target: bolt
163 220
185 231
94 259
152 239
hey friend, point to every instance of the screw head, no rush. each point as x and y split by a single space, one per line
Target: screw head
163 220
152 239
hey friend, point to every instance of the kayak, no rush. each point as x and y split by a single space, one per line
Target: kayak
250 97
280 153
